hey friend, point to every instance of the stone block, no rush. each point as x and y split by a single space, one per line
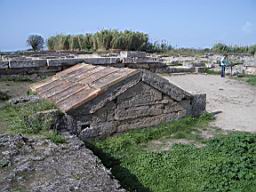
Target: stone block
27 64
98 130
140 94
184 105
4 64
198 104
139 111
146 121
63 62
126 54
104 114
165 86
141 60
102 60
200 69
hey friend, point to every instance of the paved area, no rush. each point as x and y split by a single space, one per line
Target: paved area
236 99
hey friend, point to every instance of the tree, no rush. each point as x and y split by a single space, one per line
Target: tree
36 42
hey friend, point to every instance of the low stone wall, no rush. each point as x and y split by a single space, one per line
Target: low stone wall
48 66
44 67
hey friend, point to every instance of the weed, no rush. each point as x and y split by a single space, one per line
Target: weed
15 116
55 137
226 163
251 80
211 72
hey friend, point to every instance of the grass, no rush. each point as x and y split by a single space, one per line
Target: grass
212 72
55 137
16 79
226 163
251 80
14 119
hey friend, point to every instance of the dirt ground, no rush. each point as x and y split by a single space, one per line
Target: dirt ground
236 99
14 88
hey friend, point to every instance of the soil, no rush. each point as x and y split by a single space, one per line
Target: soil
236 99
14 88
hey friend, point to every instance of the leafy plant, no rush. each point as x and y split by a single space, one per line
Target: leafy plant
55 137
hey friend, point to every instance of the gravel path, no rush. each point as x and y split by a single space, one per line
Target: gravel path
236 99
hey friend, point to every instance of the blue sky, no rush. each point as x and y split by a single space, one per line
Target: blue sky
183 23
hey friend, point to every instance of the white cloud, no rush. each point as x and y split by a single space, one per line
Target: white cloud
248 27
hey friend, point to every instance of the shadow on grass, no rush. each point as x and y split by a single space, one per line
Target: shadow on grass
127 180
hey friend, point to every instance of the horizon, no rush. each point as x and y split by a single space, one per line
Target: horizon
184 24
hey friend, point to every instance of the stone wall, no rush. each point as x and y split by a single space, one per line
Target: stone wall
140 106
48 66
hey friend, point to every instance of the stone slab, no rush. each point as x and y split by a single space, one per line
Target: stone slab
198 104
4 64
27 64
63 62
165 86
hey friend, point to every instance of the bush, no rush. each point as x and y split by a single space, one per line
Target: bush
36 42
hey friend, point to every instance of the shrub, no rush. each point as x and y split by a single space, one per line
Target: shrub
36 42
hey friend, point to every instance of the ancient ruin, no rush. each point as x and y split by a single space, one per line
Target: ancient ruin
108 100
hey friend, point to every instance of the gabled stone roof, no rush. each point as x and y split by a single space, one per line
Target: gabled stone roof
79 84
82 83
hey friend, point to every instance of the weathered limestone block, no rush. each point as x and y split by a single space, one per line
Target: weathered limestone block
182 106
104 114
4 64
139 111
24 99
126 125
165 86
63 62
180 70
198 104
28 64
140 94
137 66
98 130
126 54
102 60
141 60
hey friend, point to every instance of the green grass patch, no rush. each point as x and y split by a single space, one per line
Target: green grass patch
251 80
212 72
226 163
55 137
17 78
15 120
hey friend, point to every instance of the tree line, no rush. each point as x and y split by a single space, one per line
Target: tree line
109 39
